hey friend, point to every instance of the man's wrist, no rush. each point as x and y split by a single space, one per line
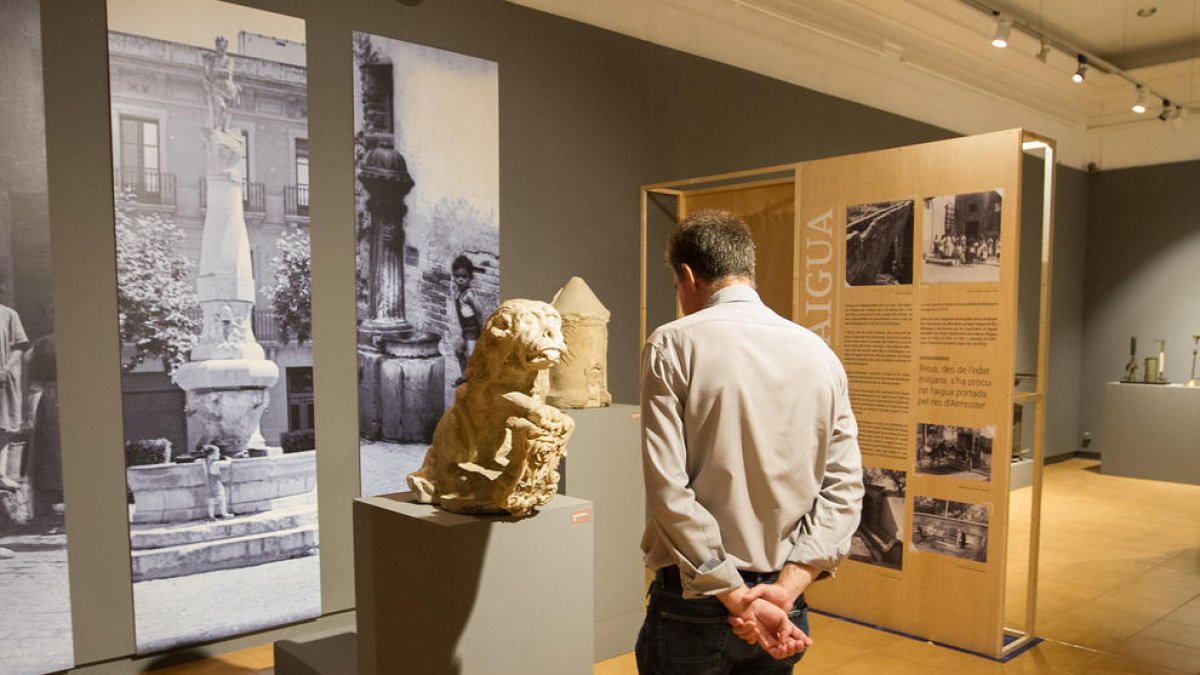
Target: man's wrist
795 578
735 600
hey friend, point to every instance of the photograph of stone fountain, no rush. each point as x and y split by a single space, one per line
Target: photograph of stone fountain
428 255
210 156
35 622
879 243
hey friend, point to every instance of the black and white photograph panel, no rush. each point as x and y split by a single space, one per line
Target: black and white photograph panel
960 241
879 243
952 451
211 170
879 539
951 528
426 149
35 604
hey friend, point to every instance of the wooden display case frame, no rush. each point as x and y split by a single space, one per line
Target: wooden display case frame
704 190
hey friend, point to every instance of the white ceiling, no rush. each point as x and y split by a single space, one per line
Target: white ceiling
932 60
1114 29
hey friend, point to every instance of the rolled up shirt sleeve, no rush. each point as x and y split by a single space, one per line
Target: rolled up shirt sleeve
675 519
823 534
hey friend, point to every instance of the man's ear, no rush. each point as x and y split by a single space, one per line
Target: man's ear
686 275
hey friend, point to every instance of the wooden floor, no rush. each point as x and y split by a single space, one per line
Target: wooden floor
1119 593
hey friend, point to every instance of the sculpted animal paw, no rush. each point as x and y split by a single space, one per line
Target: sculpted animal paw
422 487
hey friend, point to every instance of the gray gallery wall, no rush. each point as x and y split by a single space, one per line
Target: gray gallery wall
1071 231
1066 284
1143 273
586 117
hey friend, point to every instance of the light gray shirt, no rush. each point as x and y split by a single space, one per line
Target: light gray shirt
749 447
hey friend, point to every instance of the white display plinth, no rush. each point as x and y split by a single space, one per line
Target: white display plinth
604 465
441 593
1022 474
1151 431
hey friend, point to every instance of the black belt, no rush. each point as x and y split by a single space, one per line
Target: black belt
669 577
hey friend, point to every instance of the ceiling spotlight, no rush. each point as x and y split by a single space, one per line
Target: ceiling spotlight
1081 71
1139 106
1168 112
1043 52
1003 30
1147 12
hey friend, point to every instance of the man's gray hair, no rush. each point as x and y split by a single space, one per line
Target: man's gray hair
715 243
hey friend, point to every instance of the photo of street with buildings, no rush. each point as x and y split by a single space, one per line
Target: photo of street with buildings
427 169
35 604
210 165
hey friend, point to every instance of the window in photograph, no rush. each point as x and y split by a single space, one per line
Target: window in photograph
300 398
140 159
302 176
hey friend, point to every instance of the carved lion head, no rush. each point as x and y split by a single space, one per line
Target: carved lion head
525 334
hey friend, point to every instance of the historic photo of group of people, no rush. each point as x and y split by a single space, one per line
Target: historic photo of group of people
30 454
35 619
962 238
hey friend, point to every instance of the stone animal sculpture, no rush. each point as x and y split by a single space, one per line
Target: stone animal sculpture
498 448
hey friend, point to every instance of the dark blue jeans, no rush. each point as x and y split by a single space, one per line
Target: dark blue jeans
693 637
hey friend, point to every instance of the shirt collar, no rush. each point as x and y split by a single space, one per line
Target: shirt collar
733 293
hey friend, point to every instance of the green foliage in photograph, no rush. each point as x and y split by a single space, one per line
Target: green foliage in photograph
291 296
153 290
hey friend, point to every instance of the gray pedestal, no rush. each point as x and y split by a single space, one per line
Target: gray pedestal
330 655
604 465
1151 431
439 593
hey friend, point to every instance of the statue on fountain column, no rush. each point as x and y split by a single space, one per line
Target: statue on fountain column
223 93
228 376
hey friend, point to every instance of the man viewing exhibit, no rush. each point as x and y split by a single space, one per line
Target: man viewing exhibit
751 464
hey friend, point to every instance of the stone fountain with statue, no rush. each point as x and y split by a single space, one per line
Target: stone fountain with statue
228 375
268 498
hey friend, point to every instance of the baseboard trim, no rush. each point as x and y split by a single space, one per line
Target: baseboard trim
1078 454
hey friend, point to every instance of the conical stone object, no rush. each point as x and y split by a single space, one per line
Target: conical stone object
581 379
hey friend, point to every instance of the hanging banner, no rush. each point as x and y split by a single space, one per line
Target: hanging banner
427 159
211 168
35 622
